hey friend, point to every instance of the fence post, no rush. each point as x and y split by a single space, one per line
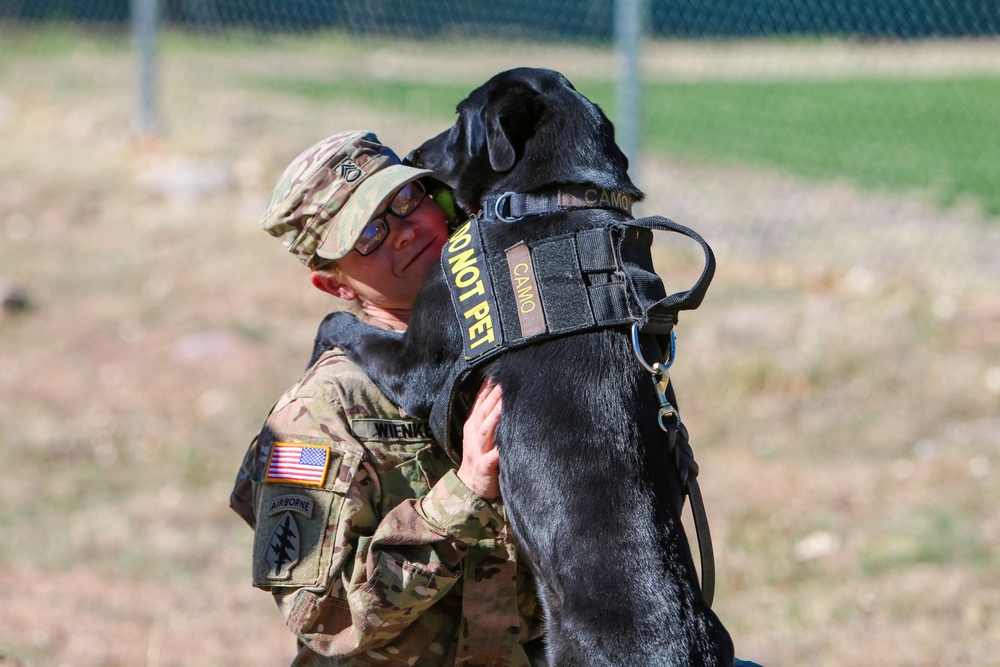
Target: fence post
144 20
628 34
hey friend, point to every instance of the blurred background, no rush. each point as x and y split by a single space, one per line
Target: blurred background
841 381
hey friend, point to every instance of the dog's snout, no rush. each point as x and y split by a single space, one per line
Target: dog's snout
412 159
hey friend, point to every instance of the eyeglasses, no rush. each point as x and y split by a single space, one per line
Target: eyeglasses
403 203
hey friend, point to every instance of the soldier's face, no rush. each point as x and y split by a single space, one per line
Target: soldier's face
392 275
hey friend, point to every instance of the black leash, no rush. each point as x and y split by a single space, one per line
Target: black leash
679 444
663 314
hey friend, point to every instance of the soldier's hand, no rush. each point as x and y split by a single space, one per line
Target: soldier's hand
480 469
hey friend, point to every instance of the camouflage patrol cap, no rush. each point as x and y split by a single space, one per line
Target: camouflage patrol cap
327 195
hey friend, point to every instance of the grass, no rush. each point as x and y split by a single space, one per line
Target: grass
433 100
938 135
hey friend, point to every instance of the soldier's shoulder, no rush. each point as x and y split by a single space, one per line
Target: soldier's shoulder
331 375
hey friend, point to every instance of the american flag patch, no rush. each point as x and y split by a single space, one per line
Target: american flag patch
298 464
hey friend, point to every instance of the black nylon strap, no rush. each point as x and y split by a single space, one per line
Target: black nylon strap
588 279
591 278
563 292
692 298
512 206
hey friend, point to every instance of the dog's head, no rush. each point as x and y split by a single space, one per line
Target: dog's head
525 130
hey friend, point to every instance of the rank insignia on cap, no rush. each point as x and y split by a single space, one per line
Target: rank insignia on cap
292 463
350 172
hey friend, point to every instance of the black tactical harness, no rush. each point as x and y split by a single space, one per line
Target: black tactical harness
506 298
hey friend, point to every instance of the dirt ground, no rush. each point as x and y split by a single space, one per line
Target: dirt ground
841 381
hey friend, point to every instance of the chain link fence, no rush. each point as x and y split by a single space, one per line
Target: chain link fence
549 19
591 23
623 35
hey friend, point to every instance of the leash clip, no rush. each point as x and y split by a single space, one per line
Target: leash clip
667 416
679 445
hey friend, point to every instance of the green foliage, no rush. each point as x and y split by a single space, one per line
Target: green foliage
938 135
416 98
933 135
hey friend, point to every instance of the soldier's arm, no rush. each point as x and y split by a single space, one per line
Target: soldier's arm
358 579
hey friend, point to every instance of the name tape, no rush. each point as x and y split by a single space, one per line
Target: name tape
391 429
599 197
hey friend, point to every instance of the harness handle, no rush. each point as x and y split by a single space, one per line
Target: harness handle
665 309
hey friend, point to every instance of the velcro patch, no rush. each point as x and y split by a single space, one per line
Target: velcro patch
472 294
295 463
291 503
283 548
526 295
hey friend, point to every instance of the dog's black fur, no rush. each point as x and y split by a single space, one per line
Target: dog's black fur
590 491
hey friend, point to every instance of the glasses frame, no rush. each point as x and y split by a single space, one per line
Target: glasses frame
381 221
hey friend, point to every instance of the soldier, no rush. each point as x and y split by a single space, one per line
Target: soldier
376 548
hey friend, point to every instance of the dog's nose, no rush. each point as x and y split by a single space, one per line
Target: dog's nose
412 159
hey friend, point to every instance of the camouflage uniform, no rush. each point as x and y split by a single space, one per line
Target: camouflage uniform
375 551
379 555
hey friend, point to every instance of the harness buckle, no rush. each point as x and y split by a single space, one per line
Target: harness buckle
503 202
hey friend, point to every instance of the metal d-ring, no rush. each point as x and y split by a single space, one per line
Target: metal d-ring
658 368
498 206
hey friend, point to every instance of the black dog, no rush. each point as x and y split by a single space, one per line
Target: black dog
588 483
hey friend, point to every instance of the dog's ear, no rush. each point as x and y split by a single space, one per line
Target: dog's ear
510 118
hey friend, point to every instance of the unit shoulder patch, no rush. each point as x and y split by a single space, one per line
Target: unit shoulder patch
291 503
283 548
